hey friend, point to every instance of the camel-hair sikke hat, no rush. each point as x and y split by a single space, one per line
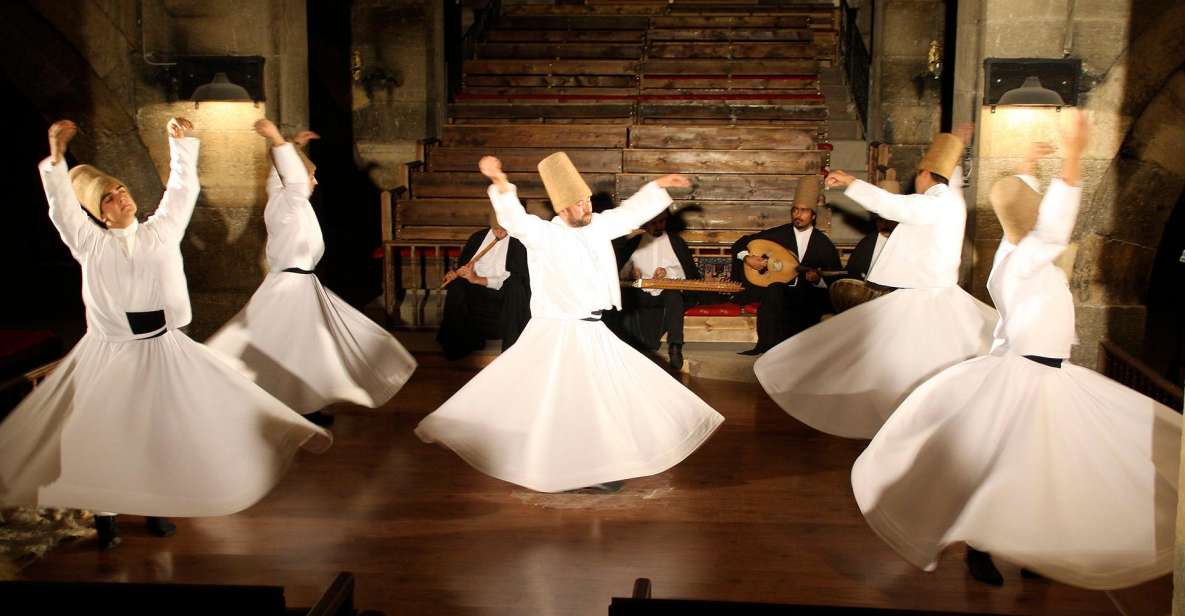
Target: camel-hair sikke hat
90 185
943 154
562 181
1016 203
806 194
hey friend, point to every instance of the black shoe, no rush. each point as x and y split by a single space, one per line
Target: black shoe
608 487
108 531
675 353
321 419
161 527
981 567
752 351
1031 575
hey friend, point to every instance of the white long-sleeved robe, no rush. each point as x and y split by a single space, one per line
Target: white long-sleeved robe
570 405
148 422
295 338
1059 470
845 375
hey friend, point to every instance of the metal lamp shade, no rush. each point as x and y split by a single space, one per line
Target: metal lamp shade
220 88
1032 94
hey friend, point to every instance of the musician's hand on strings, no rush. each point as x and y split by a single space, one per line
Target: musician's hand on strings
839 178
811 276
636 273
660 272
450 276
755 262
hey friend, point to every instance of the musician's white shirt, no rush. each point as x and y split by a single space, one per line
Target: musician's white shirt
803 239
925 249
492 265
651 254
574 270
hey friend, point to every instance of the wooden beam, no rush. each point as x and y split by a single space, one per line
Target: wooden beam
474 185
789 22
534 109
728 110
723 161
732 50
730 67
522 159
553 67
737 83
547 136
552 81
512 21
719 187
583 10
702 34
721 137
752 216
560 50
566 36
458 212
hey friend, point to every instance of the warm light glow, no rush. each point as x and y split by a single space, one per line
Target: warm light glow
1007 132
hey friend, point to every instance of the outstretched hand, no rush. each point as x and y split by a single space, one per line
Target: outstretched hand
838 178
60 134
267 129
491 167
179 128
304 137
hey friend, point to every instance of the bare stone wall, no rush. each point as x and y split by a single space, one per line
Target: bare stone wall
397 97
91 61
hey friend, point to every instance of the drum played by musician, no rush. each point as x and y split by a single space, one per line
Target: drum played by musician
786 269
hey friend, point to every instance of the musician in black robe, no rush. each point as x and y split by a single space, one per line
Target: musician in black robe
788 308
647 314
486 300
868 250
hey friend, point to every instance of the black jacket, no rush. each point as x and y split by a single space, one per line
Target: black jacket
820 253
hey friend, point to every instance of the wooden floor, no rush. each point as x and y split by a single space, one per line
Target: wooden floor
762 512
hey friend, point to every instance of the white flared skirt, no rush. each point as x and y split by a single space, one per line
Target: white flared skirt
309 348
1062 471
568 406
158 427
845 375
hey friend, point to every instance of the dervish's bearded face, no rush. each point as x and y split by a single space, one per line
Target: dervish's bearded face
578 215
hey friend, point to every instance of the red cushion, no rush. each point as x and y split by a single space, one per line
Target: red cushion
714 310
751 308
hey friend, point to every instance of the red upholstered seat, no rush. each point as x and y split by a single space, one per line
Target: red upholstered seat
751 308
714 310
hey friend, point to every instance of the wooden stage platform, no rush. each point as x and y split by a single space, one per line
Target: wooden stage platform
762 512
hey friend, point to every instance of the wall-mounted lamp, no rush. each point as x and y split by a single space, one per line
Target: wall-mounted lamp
1031 82
220 78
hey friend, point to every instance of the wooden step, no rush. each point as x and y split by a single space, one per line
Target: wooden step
804 84
473 185
566 35
521 159
784 22
739 110
772 67
752 216
584 10
547 136
704 34
554 67
718 187
476 92
455 212
721 138
575 82
723 161
732 50
534 110
510 20
563 50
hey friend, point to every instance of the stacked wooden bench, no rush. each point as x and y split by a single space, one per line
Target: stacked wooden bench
724 92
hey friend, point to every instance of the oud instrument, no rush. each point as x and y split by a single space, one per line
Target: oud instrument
780 264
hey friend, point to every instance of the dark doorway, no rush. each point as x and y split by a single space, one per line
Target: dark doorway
1164 340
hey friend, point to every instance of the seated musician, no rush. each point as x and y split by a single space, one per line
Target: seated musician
646 314
869 249
788 308
487 298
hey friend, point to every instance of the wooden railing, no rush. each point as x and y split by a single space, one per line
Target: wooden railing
1117 364
856 60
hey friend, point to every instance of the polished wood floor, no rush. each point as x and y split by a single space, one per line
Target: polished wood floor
762 512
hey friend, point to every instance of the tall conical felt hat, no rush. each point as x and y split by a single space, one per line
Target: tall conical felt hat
1016 203
890 183
90 185
806 194
564 185
943 154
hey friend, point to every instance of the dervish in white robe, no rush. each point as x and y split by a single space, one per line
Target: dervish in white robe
295 338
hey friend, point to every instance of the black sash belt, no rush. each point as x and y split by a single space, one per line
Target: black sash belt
1052 362
596 316
297 270
146 322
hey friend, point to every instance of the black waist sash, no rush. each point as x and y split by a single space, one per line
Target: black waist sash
596 316
1052 362
146 322
297 270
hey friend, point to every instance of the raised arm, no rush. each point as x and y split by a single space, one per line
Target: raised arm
910 209
65 212
645 204
181 191
1059 206
526 228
